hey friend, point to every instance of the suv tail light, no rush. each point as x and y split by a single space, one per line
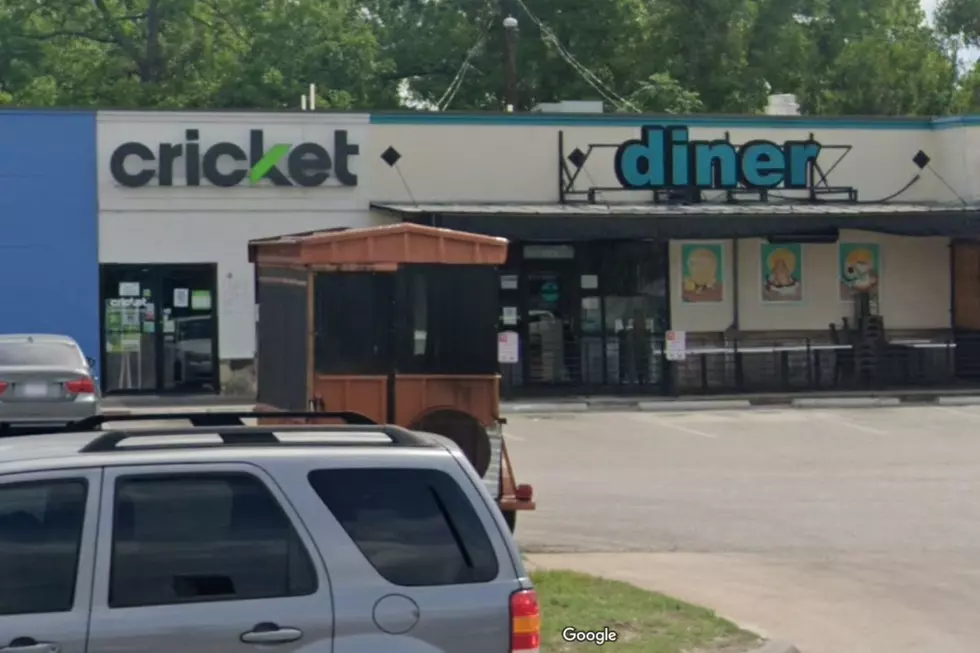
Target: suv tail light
3 386
525 622
81 386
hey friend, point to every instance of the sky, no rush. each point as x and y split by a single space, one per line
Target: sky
929 6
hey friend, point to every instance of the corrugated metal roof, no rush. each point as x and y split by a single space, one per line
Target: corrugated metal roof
653 210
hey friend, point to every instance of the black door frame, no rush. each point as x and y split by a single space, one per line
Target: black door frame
157 273
519 266
567 271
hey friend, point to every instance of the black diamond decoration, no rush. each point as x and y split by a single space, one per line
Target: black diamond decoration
921 159
391 156
577 157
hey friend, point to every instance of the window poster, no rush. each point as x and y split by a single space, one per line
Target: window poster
702 273
782 272
200 300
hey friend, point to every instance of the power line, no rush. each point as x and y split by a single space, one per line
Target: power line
550 38
457 80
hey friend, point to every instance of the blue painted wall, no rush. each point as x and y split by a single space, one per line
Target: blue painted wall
49 226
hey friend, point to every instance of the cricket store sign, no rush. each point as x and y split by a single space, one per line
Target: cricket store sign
227 164
667 157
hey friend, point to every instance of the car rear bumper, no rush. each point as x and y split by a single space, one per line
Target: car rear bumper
29 413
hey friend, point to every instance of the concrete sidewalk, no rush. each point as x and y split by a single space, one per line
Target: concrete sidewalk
607 403
809 602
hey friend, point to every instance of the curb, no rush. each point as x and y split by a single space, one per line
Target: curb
146 410
609 405
963 400
844 402
572 407
776 647
706 404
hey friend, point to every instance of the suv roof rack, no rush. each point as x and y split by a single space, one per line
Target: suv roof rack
233 431
203 418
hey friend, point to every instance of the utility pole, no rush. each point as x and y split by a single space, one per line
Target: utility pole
510 40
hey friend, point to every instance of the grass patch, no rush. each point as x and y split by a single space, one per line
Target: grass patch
645 622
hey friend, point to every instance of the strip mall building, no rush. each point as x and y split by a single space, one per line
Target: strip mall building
649 255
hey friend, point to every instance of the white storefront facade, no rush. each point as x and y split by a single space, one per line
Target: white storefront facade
180 196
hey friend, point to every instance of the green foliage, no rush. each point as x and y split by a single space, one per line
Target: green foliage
873 57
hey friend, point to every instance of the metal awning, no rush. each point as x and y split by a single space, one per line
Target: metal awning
584 221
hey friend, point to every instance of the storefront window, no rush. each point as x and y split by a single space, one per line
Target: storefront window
636 311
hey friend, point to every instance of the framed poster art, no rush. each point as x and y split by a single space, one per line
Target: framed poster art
702 273
859 269
782 272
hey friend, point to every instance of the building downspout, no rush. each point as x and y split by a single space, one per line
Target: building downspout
732 331
731 334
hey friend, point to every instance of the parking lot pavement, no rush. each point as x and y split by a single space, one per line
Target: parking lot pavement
839 530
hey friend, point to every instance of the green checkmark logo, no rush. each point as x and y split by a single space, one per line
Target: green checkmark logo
268 162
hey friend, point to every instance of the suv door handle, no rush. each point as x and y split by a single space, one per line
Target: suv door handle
29 645
265 633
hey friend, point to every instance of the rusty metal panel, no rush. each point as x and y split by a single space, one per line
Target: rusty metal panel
282 340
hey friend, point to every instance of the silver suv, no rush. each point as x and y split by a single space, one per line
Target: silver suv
356 538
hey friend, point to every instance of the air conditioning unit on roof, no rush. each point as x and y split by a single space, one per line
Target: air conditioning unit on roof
570 106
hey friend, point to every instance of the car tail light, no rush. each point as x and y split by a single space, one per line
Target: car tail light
3 386
525 622
81 386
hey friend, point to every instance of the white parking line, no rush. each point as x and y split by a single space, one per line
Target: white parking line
668 423
840 421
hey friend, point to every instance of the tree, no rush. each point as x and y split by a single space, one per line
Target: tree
873 57
661 93
188 53
960 18
705 45
430 42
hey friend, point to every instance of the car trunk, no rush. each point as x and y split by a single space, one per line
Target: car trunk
38 383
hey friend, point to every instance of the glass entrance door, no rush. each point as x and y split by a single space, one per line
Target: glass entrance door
159 328
189 322
552 351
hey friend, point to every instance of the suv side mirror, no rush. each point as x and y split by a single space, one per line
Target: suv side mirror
90 361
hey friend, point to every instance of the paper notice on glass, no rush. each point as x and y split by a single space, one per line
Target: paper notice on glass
676 348
508 282
129 319
129 289
182 297
508 347
129 343
510 315
169 326
590 281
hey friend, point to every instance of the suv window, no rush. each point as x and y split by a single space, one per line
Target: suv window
40 535
203 537
415 526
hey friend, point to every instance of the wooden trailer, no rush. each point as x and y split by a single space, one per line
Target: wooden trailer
397 323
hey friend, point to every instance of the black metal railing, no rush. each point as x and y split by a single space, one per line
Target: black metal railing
743 366
898 364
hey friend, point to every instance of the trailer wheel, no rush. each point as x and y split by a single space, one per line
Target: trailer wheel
463 429
510 516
